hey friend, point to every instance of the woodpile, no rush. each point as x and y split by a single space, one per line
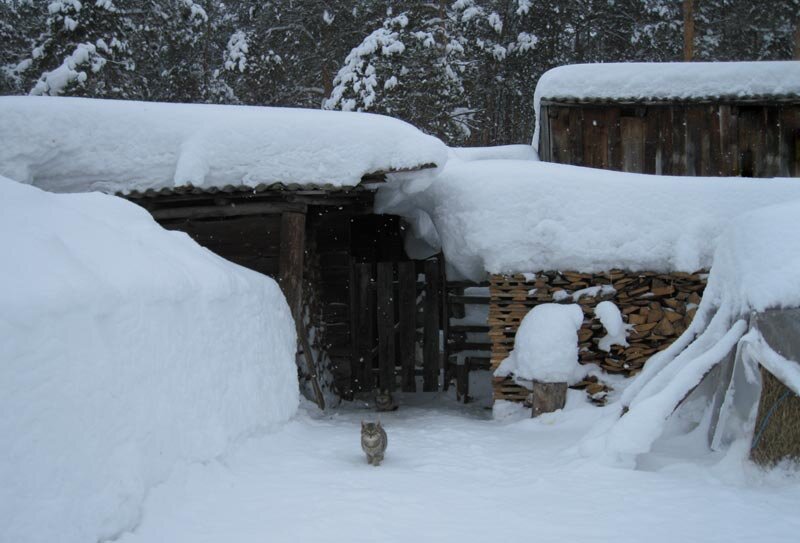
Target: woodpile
658 306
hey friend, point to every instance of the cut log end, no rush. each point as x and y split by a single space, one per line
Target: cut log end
548 397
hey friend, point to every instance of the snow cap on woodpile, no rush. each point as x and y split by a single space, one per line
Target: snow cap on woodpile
81 144
636 82
546 346
513 216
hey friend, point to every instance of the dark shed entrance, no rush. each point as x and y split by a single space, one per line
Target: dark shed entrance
368 316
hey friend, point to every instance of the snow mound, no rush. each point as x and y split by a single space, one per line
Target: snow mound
80 144
667 81
498 152
756 268
511 216
126 351
546 346
616 330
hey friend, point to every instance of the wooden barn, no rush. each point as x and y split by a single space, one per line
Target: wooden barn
697 119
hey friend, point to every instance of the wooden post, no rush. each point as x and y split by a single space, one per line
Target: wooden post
407 299
430 348
293 237
386 320
447 372
548 397
688 30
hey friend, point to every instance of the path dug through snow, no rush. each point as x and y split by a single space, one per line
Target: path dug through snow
452 474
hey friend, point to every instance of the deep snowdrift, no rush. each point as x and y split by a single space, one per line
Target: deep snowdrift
81 144
756 267
506 216
636 81
125 350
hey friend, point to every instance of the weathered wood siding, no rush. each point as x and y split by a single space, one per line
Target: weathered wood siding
252 241
750 140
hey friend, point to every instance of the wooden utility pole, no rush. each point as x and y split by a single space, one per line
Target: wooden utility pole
688 30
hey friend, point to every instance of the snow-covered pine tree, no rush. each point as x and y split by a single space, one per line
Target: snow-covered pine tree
407 68
83 50
183 49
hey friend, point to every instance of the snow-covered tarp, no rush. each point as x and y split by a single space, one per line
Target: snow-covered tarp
80 144
756 268
126 350
667 81
512 216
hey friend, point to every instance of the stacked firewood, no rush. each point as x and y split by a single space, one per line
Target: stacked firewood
659 307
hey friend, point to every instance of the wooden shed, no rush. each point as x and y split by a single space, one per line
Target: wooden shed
696 119
373 318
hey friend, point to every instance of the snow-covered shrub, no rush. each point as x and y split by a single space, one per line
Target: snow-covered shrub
125 350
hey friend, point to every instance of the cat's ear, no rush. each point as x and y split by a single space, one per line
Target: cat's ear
379 422
362 424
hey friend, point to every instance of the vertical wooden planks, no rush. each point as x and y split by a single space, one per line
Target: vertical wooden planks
632 133
614 159
407 318
575 137
384 287
430 346
714 141
595 139
678 141
665 140
651 121
746 123
694 141
365 330
772 142
545 142
445 323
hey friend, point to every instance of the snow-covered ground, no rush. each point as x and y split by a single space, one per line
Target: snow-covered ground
453 474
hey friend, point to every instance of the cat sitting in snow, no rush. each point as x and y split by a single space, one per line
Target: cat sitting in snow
373 441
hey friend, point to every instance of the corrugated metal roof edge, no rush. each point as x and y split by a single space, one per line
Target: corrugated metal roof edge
375 177
675 100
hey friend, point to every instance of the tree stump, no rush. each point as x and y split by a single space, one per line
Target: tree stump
547 397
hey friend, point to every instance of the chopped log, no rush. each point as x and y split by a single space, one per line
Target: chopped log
548 397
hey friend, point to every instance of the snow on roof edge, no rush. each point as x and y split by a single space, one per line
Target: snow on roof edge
79 144
667 81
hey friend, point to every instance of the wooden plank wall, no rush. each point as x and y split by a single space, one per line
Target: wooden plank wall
253 241
678 139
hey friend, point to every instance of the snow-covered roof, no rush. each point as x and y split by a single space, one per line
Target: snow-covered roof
511 216
80 144
637 81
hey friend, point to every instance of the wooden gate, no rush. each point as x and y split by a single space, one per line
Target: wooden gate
396 313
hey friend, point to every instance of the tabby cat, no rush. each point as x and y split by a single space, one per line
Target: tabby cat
373 441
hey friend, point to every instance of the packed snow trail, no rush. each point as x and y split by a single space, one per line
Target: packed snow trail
452 474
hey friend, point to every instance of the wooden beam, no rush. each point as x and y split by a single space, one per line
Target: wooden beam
293 237
386 322
430 347
230 210
407 336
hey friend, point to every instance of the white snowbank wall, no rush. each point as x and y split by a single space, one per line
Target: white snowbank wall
667 81
512 216
125 350
80 144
